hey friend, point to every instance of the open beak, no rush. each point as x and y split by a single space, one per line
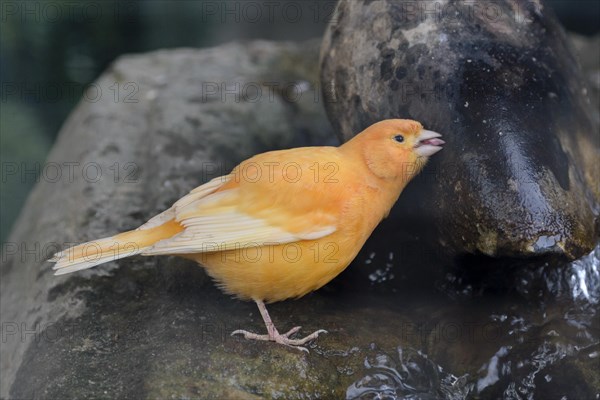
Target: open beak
428 143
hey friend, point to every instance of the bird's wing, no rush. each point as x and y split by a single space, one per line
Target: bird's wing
197 193
160 228
266 200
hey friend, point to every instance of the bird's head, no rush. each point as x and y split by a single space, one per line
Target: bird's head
396 148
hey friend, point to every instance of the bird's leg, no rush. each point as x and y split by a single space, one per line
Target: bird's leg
274 335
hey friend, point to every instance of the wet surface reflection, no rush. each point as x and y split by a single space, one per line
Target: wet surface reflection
526 333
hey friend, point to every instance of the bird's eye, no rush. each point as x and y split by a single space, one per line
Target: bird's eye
399 138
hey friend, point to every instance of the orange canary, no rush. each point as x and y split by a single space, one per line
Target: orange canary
282 223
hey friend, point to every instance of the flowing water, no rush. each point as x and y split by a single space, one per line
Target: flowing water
538 338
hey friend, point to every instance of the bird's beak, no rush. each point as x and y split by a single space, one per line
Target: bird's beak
428 143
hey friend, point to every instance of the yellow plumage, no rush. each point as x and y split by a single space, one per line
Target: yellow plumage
282 223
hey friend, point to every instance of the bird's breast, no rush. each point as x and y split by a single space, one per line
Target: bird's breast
278 272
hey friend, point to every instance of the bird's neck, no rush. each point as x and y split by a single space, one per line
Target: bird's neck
382 191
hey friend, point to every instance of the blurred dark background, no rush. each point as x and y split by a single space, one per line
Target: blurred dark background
51 50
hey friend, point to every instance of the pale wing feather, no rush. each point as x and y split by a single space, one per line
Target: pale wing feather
210 225
66 260
197 193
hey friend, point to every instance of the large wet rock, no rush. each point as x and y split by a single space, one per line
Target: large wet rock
159 328
520 173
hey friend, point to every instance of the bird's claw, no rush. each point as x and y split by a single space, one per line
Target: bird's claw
283 339
291 331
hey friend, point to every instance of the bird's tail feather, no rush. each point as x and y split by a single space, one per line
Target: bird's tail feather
90 254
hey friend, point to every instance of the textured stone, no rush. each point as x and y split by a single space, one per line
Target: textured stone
519 175
151 128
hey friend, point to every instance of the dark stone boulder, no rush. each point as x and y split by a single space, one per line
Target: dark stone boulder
520 173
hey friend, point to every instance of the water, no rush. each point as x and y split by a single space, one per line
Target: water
408 374
542 341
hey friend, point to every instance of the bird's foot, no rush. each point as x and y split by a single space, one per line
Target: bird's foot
283 339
